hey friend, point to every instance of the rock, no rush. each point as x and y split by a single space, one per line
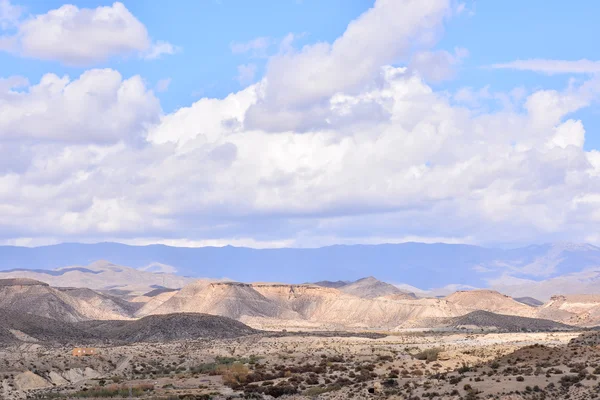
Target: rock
77 374
74 375
375 389
29 381
90 373
57 379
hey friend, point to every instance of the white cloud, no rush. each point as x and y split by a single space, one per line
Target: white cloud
82 36
429 170
436 66
298 82
552 67
246 73
100 106
163 85
159 49
378 151
9 14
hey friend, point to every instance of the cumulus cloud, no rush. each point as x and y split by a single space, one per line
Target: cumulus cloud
299 83
98 107
430 169
159 49
552 67
380 151
82 36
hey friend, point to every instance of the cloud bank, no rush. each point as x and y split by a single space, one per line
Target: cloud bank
337 143
78 36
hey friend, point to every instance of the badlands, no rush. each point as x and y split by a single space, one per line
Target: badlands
218 339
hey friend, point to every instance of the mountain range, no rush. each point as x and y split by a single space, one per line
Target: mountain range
539 271
367 303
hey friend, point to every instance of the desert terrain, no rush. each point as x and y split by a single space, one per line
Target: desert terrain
215 339
220 339
407 365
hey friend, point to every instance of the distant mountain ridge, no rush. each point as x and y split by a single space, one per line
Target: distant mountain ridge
368 288
546 269
367 303
102 275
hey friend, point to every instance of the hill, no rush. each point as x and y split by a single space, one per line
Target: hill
63 304
489 300
21 326
21 282
370 288
228 299
573 309
506 323
591 338
170 327
15 327
284 305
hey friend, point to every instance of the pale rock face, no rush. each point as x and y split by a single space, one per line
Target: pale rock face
220 298
75 375
308 305
57 379
490 300
152 303
573 309
30 381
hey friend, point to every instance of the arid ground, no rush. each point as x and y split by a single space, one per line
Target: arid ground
402 365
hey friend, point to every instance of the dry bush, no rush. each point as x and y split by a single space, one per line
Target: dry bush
428 355
234 374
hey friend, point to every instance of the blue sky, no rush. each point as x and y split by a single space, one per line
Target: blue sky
492 32
465 134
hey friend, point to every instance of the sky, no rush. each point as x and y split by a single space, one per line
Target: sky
299 123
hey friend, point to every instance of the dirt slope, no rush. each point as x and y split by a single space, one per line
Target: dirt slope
59 304
573 309
490 300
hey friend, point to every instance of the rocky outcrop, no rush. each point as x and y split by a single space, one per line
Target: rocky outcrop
489 300
573 309
29 381
300 303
